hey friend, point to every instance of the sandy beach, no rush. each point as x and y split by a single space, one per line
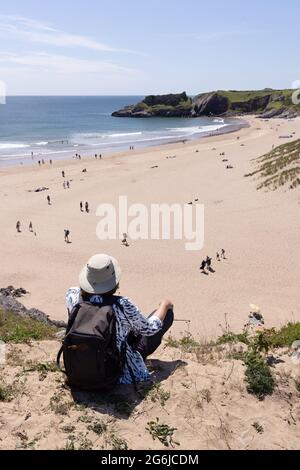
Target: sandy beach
259 230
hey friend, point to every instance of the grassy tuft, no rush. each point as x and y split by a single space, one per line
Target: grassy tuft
42 368
285 336
6 392
258 427
98 427
17 329
186 343
233 338
279 167
162 432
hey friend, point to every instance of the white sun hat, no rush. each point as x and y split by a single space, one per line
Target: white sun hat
100 275
254 308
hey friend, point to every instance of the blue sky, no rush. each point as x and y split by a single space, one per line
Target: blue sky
103 47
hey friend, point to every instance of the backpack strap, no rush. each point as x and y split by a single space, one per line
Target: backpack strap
72 317
58 359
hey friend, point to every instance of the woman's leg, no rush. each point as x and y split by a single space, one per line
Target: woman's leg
146 345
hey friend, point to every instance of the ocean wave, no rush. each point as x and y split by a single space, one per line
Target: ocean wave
97 135
7 146
188 130
41 144
211 128
199 129
125 134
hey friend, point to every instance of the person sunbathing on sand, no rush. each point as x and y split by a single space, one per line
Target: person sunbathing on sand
137 336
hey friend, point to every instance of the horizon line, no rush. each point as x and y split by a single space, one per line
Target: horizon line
141 94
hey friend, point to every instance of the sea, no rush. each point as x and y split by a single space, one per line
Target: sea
57 127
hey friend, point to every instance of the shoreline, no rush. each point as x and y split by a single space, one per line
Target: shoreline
66 155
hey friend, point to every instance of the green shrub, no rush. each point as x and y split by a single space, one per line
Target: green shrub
285 336
233 338
258 376
6 392
162 432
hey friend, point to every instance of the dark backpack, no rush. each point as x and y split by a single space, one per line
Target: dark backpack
91 358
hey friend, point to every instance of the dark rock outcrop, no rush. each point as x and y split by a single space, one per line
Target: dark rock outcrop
10 291
171 105
252 105
166 100
210 104
283 113
9 303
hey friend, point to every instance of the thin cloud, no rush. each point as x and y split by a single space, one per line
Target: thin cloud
60 63
214 35
36 31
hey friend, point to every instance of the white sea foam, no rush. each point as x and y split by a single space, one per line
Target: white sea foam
125 134
41 144
211 128
188 130
7 146
199 129
96 135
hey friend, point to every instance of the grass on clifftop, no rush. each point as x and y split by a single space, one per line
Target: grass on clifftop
279 99
17 329
243 96
279 167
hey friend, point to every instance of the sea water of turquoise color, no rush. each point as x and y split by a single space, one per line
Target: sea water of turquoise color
61 126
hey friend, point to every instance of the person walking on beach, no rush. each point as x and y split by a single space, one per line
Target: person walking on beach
136 336
81 206
208 263
100 156
18 226
30 227
67 233
39 162
64 185
218 257
68 184
223 254
49 200
203 266
124 241
50 162
87 207
96 156
63 174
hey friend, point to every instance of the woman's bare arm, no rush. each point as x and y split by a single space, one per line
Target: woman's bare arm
162 310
